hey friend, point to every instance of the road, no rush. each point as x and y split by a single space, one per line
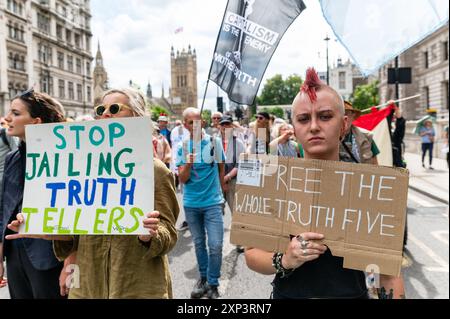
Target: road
426 270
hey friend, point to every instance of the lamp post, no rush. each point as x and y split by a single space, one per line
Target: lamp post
328 66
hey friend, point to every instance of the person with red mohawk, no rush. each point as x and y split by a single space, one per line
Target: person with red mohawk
307 269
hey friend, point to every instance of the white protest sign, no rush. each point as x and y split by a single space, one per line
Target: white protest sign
89 178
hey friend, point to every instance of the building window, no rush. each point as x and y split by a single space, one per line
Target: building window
71 92
426 91
16 32
62 89
59 32
15 7
77 41
88 68
89 96
46 83
70 63
43 22
79 93
342 81
445 50
45 54
88 43
61 60
425 58
68 36
79 71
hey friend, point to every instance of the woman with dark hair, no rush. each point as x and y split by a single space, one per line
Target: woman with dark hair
33 270
123 267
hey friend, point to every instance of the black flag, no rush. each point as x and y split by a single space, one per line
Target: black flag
250 33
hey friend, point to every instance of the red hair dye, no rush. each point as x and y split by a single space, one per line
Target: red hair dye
312 84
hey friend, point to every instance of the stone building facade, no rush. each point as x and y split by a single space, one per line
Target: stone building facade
46 44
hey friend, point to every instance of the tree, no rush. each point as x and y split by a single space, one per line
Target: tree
239 113
277 91
277 111
206 117
366 96
157 110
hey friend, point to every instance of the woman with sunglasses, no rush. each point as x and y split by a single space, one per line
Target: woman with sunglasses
307 269
113 267
128 266
32 267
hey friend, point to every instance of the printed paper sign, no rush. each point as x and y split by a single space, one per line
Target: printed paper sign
249 173
89 178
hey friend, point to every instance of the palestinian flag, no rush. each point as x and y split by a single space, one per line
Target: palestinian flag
376 123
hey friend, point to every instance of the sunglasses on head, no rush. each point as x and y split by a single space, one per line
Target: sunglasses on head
29 94
113 108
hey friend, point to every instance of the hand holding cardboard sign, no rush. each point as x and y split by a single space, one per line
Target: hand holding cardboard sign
303 249
151 223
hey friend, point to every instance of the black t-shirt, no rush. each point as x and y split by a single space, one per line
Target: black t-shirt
323 278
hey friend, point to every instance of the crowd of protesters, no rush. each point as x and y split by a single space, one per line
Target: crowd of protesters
202 164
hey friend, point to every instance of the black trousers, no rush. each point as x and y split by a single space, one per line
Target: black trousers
427 147
25 281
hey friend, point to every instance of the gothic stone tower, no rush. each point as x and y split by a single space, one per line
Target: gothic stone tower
184 80
100 77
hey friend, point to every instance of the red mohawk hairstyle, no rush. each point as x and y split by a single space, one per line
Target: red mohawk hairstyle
312 84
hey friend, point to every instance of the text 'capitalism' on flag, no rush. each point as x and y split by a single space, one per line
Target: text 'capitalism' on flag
249 35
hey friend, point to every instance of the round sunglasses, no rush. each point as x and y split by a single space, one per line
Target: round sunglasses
113 108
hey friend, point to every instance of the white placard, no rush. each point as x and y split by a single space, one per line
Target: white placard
89 178
249 173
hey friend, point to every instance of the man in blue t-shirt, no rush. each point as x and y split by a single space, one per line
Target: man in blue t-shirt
200 162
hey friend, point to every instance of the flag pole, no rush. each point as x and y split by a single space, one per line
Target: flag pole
396 101
204 95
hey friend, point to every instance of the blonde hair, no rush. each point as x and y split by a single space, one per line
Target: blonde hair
136 100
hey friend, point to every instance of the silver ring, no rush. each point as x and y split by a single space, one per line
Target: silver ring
305 253
304 243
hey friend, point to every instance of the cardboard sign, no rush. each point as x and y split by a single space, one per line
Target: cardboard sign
89 178
361 210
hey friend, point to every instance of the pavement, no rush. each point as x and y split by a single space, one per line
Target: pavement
431 183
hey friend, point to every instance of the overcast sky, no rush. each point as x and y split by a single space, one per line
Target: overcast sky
136 37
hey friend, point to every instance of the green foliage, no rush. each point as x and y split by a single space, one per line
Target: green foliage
206 117
366 96
277 111
156 111
277 91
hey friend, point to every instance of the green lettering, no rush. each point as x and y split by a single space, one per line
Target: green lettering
77 231
62 231
97 221
115 220
89 163
28 211
91 136
34 157
129 166
115 135
63 144
71 172
77 129
137 220
105 164
47 218
44 166
55 168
